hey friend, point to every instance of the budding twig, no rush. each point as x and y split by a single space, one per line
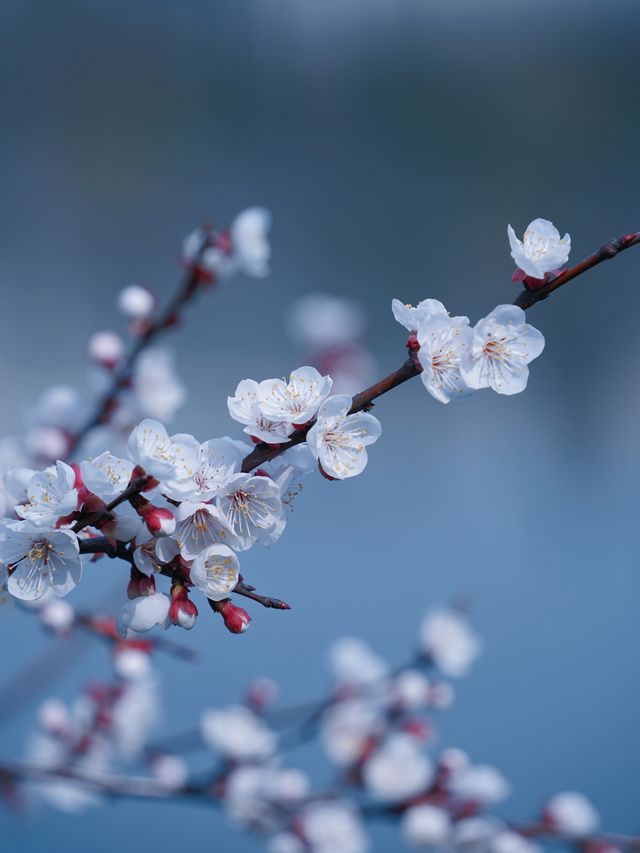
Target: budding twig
527 297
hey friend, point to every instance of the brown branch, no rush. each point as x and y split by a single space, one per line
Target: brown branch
527 297
89 519
265 600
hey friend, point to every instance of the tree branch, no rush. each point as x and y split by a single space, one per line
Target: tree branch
527 297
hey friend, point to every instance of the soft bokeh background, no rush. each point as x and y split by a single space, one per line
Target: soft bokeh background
393 140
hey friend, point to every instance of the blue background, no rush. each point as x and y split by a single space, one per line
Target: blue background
393 140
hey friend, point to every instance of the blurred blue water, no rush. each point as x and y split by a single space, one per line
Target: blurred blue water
393 143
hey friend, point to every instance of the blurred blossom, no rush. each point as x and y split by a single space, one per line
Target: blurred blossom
571 814
328 329
346 729
398 769
333 827
237 733
480 783
352 662
425 826
449 641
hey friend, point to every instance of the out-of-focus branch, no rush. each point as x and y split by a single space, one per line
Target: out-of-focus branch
609 250
122 376
137 787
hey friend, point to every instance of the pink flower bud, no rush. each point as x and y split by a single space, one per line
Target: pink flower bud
183 613
140 584
235 618
159 520
412 342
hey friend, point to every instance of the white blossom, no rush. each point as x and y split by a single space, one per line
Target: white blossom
410 690
338 440
57 615
333 826
412 317
480 783
425 826
444 343
353 662
39 560
132 664
398 769
106 348
136 302
250 506
144 613
541 250
215 571
199 525
51 495
156 391
250 241
296 401
320 320
106 475
572 815
237 733
171 771
217 460
447 638
150 447
502 346
346 728
507 841
244 407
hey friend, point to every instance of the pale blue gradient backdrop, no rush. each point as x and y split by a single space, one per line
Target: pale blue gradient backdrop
393 141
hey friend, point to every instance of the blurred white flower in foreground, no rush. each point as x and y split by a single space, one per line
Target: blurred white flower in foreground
542 250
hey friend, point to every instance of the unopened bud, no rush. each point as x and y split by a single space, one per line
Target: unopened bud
182 611
412 342
140 584
106 349
159 520
235 618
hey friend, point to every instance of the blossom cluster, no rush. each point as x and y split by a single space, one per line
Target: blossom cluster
172 505
375 726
